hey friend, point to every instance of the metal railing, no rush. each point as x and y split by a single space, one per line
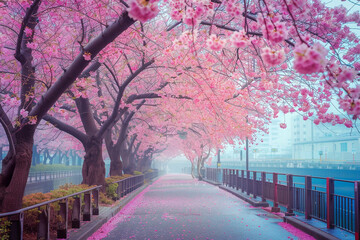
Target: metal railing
128 185
50 175
89 208
151 175
307 195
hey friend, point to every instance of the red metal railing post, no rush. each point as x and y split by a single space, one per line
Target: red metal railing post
330 202
308 189
242 181
263 186
254 184
275 208
357 209
223 176
290 195
248 182
237 180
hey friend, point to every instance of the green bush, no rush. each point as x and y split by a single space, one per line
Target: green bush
137 173
111 190
4 229
54 167
111 186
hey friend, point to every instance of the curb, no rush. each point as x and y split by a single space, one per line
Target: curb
244 197
91 227
211 182
313 231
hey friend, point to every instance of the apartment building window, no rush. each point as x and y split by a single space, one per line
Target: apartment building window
343 147
334 147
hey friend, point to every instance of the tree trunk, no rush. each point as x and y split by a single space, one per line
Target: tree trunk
15 170
126 160
147 164
93 169
192 169
199 168
116 165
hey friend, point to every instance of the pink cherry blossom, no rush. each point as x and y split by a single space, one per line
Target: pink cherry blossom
309 59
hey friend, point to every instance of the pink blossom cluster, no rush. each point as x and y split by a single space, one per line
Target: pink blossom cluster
283 125
340 76
239 39
234 8
273 30
32 45
191 12
142 10
273 57
351 102
215 43
11 102
186 39
177 9
309 60
24 113
333 119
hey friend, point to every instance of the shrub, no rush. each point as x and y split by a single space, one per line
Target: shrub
31 217
111 186
137 173
4 229
54 167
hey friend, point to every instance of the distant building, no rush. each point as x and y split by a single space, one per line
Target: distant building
324 142
275 145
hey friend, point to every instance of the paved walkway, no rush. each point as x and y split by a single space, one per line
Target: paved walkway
179 207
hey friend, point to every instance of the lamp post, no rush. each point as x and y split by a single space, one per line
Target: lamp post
218 160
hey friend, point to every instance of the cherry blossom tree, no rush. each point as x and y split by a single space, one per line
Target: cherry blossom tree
225 67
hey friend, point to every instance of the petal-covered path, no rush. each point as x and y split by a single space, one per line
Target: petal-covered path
179 207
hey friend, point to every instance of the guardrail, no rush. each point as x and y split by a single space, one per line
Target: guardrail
89 208
303 194
50 175
128 185
151 175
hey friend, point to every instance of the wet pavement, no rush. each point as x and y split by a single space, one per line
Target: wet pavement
179 207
